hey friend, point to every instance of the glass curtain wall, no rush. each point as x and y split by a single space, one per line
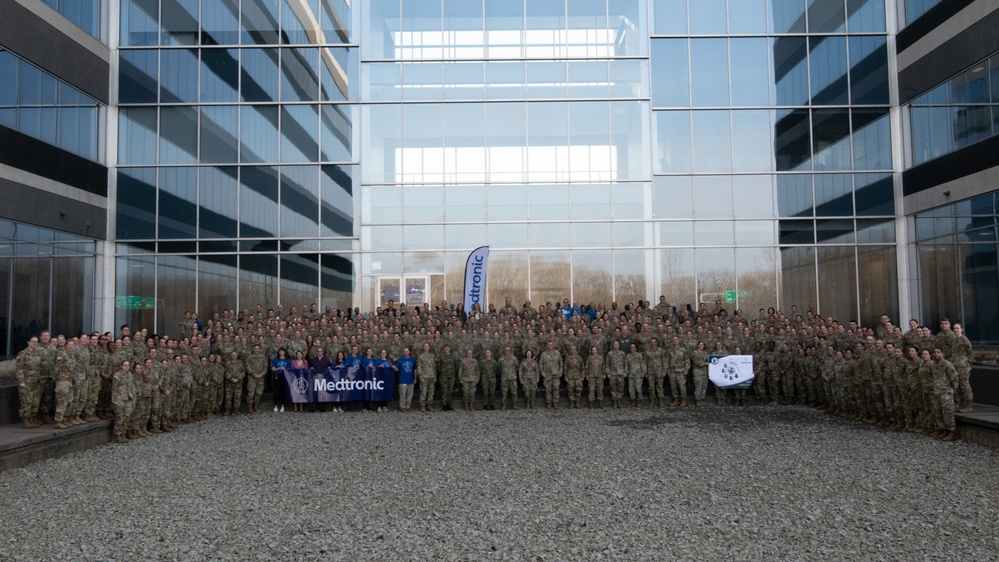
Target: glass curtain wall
237 168
623 149
46 282
956 249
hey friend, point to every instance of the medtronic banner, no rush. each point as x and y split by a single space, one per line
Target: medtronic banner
349 384
731 371
475 278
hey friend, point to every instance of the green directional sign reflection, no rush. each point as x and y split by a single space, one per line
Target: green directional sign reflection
134 302
730 296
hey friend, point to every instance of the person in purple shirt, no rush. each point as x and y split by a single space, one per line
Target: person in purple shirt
406 367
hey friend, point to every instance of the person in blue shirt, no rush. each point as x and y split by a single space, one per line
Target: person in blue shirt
382 362
366 372
354 360
406 367
279 382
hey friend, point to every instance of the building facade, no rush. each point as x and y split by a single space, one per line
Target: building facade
833 154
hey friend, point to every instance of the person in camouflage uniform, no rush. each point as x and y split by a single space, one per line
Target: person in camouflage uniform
447 371
27 368
679 363
63 374
529 376
637 373
596 373
488 368
468 372
699 371
256 369
155 374
46 377
573 370
95 369
509 368
235 372
656 360
81 360
141 411
616 364
122 401
960 357
426 375
550 364
945 383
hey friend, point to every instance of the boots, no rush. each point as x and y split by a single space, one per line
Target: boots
47 419
75 420
965 408
674 403
948 436
683 403
120 438
698 403
62 425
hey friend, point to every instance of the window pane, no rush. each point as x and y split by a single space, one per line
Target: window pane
178 204
869 69
871 139
672 142
259 75
670 17
750 72
178 75
709 72
826 16
791 70
219 75
751 142
828 70
137 76
797 279
220 22
299 202
258 133
258 202
137 135
219 123
708 17
670 82
831 139
218 194
711 141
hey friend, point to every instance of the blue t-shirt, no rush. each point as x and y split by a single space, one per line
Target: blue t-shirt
407 369
279 363
354 360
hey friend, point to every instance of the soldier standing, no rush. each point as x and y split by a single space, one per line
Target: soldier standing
595 375
529 373
256 369
699 368
122 396
28 365
63 376
961 354
488 368
447 369
617 370
637 372
679 363
509 367
550 364
235 372
469 375
945 383
426 372
655 361
573 369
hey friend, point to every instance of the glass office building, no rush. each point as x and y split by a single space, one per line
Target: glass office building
838 155
606 150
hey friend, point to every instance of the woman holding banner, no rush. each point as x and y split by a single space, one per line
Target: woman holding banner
279 381
297 364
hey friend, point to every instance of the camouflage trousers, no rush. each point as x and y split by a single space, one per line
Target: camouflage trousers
678 384
122 416
64 400
104 398
184 403
700 383
29 397
945 410
233 397
530 390
574 389
141 412
760 385
616 387
773 385
254 390
93 394
80 385
489 391
552 388
46 396
635 387
876 401
508 389
446 383
789 385
468 390
596 389
156 409
656 387
427 392
963 396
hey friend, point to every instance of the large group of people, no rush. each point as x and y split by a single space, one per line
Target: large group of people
506 356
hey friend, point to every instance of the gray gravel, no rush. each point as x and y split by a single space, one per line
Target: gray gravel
751 483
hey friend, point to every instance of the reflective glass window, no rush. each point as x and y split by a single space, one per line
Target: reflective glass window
422 142
299 133
831 139
670 74
828 70
873 194
629 201
629 19
336 123
137 135
464 134
871 139
218 197
833 195
675 233
672 197
794 195
220 22
630 139
630 234
549 235
383 24
463 29
422 81
826 16
382 204
869 69
506 137
792 144
383 81
588 79
787 16
713 197
797 232
258 133
505 80
756 233
178 75
179 20
673 143
546 80
258 202
465 203
547 135
219 125
629 78
747 16
791 70
715 270
712 136
835 231
750 72
298 30
875 231
139 25
709 72
670 17
464 236
178 204
549 202
136 206
752 196
677 267
751 143
589 136
507 202
178 135
378 149
219 75
590 234
260 22
591 202
463 80
337 211
299 74
865 16
708 17
423 237
138 73
423 203
259 69
299 202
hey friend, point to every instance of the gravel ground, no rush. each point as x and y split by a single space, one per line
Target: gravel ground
716 483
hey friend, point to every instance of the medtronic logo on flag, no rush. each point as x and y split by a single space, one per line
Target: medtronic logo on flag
347 384
731 371
475 278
